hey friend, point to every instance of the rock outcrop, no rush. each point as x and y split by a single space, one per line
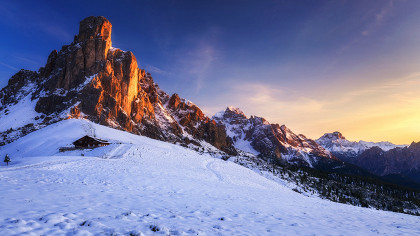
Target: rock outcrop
257 136
90 79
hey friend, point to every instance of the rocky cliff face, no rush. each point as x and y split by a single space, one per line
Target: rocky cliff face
257 136
90 79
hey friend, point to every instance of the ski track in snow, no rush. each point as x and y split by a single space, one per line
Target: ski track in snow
143 184
209 166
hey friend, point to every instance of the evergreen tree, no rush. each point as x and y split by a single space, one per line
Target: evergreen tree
7 159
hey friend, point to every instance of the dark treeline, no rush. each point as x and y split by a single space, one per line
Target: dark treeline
363 191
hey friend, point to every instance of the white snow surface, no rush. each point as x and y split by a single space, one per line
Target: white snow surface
137 184
19 114
386 146
235 130
245 145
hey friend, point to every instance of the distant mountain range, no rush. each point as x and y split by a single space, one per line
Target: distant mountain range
347 150
89 79
383 158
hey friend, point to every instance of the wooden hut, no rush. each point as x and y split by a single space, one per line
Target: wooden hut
90 142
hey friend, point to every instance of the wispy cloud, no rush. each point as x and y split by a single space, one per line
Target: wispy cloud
153 69
8 66
378 19
197 60
28 60
55 30
274 103
375 20
18 14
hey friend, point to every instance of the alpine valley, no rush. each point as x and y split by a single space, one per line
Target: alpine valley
168 168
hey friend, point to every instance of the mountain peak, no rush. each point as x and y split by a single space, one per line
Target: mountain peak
235 110
94 27
334 136
89 79
415 145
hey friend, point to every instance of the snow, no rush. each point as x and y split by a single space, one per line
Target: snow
163 116
112 49
245 146
188 102
87 81
236 128
236 110
137 184
386 146
237 132
219 115
334 144
19 115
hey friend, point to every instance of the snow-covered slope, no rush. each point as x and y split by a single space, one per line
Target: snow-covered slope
142 186
256 135
341 147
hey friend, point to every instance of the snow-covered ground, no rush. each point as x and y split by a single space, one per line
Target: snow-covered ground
19 115
142 186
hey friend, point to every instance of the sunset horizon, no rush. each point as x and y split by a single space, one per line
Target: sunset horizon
332 66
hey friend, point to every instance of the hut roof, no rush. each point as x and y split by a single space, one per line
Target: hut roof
89 139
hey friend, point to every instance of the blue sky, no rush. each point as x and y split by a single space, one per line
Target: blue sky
316 66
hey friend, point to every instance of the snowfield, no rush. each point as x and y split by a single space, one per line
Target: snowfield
140 186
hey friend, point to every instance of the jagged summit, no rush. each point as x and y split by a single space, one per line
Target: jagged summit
257 136
235 110
346 150
94 27
231 112
334 136
415 145
90 79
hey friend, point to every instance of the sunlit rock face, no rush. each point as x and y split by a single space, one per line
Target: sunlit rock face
90 79
112 93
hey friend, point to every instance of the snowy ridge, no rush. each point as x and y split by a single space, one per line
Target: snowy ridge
256 135
386 146
335 142
237 124
141 186
19 117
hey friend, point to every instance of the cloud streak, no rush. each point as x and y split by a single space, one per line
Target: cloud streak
379 19
153 69
16 13
8 66
197 61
